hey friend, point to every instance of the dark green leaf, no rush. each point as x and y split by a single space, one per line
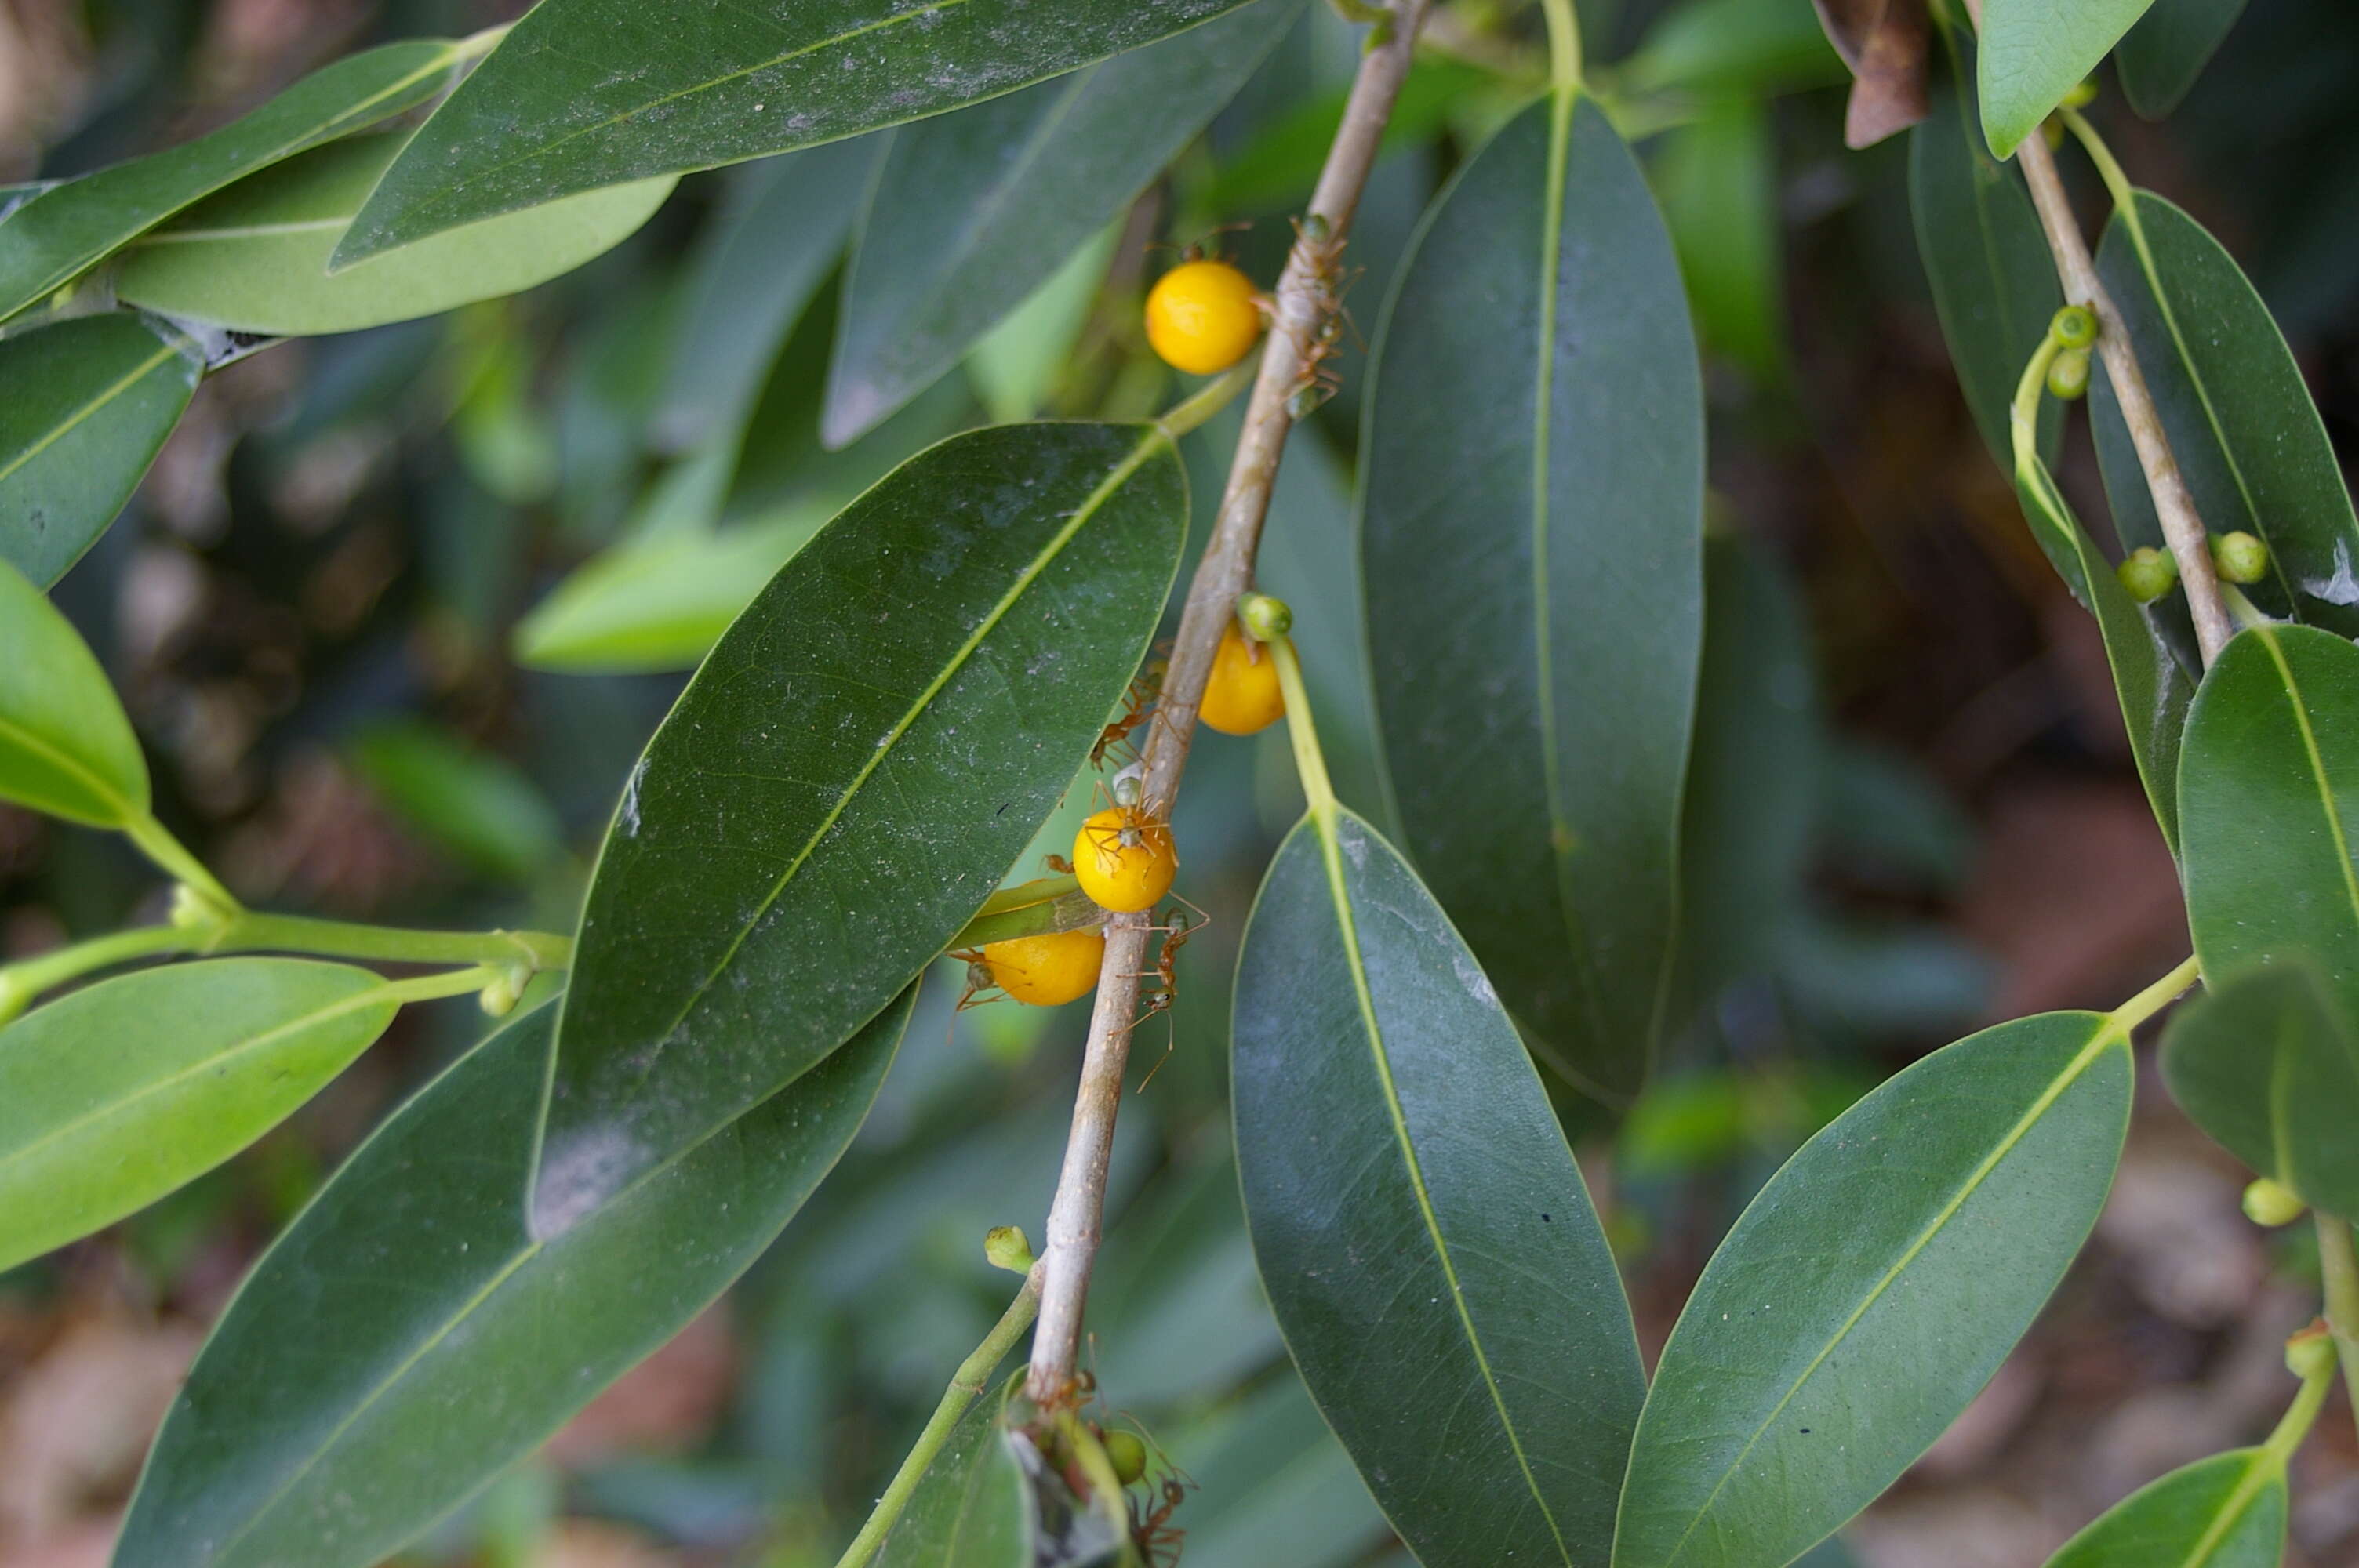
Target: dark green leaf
2153 689
1718 179
2267 1064
2160 57
1423 1232
66 745
1871 1290
973 1508
89 404
1281 163
2226 1511
50 239
1532 534
766 255
973 210
1751 46
584 93
2035 51
2240 420
1994 283
472 803
1274 1488
2268 806
255 257
849 776
1017 366
115 1096
407 1338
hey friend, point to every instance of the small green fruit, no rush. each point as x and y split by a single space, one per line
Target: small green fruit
2240 557
2147 573
1127 1454
2074 326
2068 374
1265 618
2272 1202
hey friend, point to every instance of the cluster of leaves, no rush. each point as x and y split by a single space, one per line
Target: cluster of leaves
872 740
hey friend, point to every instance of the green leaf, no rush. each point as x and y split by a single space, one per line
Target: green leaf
1280 164
1274 1488
2035 51
117 1094
2267 1066
2241 421
2226 1511
1871 1290
659 604
2268 804
1993 285
973 1508
1016 366
774 243
89 404
1531 538
255 257
1425 1237
584 93
849 777
1752 46
472 803
50 239
2160 57
972 210
407 1338
2153 687
66 746
1717 175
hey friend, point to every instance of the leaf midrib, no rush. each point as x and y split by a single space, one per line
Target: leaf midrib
72 767
2108 1035
1324 823
2232 1512
66 426
2301 708
1149 439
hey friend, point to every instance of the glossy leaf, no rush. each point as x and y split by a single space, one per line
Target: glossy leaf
66 746
1993 285
117 1094
2159 59
2153 687
1871 1290
972 1509
768 251
851 773
407 1338
2241 421
1425 1237
2226 1511
90 402
2265 1064
255 257
2268 802
972 211
47 241
584 93
472 803
1531 538
1016 366
2035 51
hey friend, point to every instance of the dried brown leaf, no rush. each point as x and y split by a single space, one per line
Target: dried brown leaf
1884 42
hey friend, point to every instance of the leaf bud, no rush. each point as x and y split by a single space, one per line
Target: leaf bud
1008 1247
1264 616
2272 1202
2310 1353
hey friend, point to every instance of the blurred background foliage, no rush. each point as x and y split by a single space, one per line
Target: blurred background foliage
396 610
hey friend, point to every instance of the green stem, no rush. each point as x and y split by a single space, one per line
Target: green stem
172 857
2242 611
2117 183
21 982
2340 1266
1308 759
248 932
2156 997
2295 1424
1564 44
967 1384
449 983
1201 404
2023 416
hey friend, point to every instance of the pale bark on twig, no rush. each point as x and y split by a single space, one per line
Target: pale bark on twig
1077 1215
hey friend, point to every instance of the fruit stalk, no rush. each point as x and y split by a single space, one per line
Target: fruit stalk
1077 1215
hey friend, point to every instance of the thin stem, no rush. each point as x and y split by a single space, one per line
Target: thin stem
1303 300
2339 1266
1309 761
1564 44
22 981
967 1384
2156 997
248 932
2023 415
2174 503
172 857
2295 1424
1185 415
449 983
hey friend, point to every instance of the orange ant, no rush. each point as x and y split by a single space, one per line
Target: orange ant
1151 1532
1177 929
1321 253
1145 688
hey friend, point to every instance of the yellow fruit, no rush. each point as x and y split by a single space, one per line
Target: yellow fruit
1202 317
1047 970
1243 695
1123 860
